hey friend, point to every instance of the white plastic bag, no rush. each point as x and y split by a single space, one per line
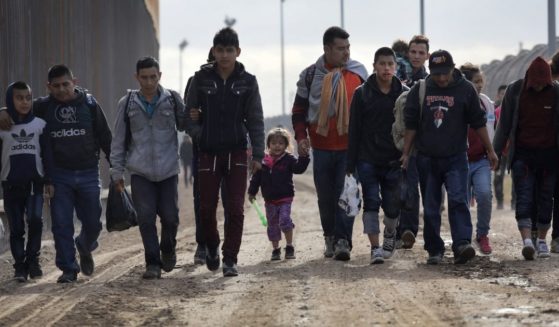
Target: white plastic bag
350 200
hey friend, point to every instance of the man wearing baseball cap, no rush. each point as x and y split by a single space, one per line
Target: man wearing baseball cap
438 129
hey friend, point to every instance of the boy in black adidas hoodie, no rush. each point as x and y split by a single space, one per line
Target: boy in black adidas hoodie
25 160
439 132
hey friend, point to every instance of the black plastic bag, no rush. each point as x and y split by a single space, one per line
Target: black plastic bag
120 213
405 195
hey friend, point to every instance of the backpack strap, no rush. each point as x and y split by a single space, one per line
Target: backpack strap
422 91
128 135
309 76
174 99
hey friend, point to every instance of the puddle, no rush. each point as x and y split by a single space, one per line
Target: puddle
517 281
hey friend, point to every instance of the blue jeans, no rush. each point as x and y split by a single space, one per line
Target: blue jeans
376 181
152 199
77 190
529 180
409 219
329 176
20 201
479 183
453 173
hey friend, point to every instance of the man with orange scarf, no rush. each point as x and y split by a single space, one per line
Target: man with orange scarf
321 112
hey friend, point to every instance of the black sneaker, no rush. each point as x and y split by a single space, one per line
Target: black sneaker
212 259
435 258
289 252
152 272
341 251
229 268
200 255
86 260
34 268
86 264
276 254
67 277
168 261
408 239
464 254
21 273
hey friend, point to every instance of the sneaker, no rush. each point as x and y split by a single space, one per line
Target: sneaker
67 277
408 239
329 246
200 255
86 264
388 245
555 245
152 272
483 243
464 254
398 244
34 268
21 273
168 261
289 252
276 254
229 268
212 259
435 259
377 256
342 250
543 250
528 252
86 261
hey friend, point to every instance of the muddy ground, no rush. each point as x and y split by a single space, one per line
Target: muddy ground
496 290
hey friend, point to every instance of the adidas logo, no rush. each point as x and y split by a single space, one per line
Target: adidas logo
68 132
23 137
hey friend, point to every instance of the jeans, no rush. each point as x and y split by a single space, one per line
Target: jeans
451 171
77 190
529 180
279 220
152 199
409 219
377 181
329 176
20 201
232 169
479 183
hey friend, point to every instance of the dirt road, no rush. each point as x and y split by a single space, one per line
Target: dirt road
496 290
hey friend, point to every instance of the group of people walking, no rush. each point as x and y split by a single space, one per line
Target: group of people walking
400 132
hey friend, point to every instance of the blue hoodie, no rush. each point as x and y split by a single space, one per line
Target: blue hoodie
25 154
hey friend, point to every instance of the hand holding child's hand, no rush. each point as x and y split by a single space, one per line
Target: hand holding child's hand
251 198
255 166
194 114
303 147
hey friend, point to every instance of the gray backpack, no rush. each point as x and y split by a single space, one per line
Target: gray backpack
399 126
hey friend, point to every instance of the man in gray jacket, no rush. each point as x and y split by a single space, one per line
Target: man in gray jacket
145 143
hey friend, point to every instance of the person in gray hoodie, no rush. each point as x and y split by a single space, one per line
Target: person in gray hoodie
145 143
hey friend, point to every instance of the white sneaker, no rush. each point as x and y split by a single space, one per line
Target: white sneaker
377 256
388 245
543 250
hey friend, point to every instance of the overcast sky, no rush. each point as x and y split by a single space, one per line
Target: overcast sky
478 31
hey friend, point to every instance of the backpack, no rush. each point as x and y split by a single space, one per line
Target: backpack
399 126
128 135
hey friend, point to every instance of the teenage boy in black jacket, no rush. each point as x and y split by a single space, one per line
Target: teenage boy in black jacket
229 102
439 134
372 152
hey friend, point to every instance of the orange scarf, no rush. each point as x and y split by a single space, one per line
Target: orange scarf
341 106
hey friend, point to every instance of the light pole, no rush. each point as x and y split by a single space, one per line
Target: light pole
182 45
551 37
282 60
342 12
229 21
422 17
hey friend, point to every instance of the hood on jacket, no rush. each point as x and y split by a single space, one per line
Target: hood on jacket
239 68
12 108
80 96
395 87
538 74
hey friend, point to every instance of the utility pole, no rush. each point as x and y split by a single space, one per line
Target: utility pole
422 17
551 35
282 60
342 12
182 45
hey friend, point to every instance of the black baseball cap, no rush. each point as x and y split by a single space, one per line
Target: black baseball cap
440 62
